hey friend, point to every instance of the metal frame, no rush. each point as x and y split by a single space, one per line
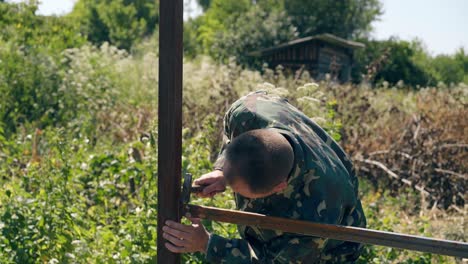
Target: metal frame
169 165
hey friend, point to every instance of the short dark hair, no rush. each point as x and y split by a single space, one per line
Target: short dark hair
261 157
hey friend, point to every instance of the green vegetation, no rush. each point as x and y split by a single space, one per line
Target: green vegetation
21 27
78 124
234 28
346 19
231 28
121 22
395 60
256 28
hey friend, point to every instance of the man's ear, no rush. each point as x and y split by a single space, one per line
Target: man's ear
281 186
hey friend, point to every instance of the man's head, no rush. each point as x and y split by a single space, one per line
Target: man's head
258 163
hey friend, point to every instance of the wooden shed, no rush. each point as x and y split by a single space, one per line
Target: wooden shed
320 55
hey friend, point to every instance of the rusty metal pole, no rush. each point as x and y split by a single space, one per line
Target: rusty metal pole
169 120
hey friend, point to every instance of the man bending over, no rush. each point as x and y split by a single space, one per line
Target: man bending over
280 163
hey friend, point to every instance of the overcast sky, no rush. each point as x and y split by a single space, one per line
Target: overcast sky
441 24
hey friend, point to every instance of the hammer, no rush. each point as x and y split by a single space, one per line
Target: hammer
188 188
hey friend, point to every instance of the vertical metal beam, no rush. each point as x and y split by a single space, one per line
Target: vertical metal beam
169 119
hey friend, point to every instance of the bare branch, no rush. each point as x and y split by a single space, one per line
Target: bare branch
459 175
461 145
394 175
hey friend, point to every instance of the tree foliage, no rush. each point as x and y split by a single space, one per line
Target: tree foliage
344 18
395 60
205 4
253 30
231 28
217 18
20 24
451 69
224 18
392 61
119 22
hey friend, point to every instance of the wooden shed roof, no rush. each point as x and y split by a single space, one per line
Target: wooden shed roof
329 38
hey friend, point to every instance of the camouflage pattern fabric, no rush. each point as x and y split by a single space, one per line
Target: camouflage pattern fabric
322 187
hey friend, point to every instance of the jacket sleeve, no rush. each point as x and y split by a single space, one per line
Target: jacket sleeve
219 163
287 248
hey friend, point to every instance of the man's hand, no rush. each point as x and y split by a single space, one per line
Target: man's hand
214 182
186 238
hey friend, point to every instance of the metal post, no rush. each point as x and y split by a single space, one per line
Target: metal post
170 120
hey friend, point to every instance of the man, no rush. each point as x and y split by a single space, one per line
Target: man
279 163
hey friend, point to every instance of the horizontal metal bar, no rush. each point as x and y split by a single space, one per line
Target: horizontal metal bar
345 233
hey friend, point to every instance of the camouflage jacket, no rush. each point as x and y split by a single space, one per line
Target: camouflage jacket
322 187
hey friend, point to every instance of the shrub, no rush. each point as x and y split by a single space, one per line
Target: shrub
119 22
29 84
391 61
20 25
451 69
